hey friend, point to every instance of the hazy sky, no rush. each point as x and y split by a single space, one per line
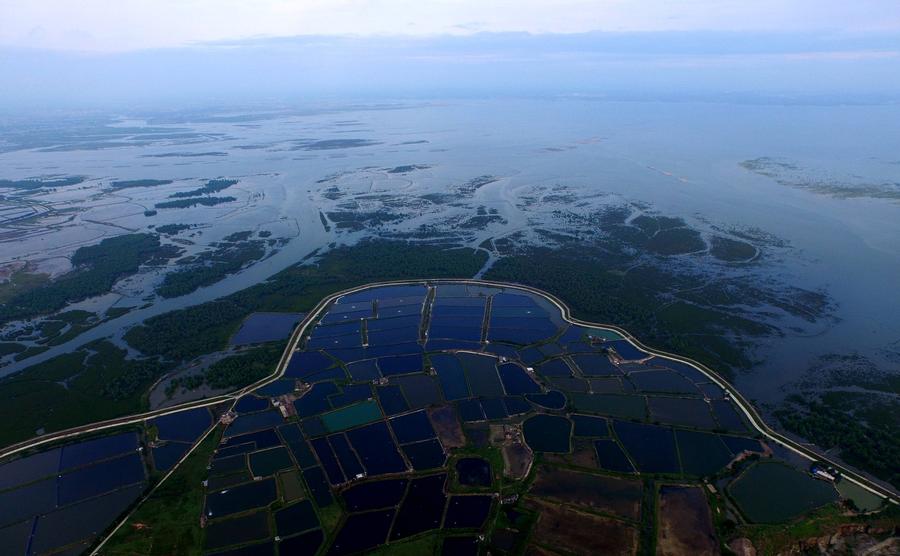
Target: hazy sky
98 51
118 25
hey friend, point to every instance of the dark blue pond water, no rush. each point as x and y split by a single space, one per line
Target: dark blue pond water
240 498
362 532
364 370
470 410
105 476
425 455
167 455
547 433
516 380
329 460
467 512
266 327
625 349
82 453
318 486
611 457
294 519
349 462
186 426
261 439
306 544
28 469
588 425
392 400
494 408
423 507
412 427
550 400
400 365
304 363
254 422
451 375
251 404
651 447
316 400
516 405
374 495
351 394
474 472
376 449
595 364
663 381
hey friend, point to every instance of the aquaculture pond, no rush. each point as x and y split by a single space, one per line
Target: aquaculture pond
397 411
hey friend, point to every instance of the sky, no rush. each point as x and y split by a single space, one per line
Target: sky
129 49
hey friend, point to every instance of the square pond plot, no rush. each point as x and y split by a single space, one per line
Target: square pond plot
419 390
412 427
728 417
398 311
425 455
87 482
28 501
346 456
254 422
692 412
467 512
15 538
267 462
166 456
376 449
702 454
481 374
381 338
257 494
685 370
626 350
663 381
364 370
373 495
622 406
470 411
595 364
611 457
555 367
296 519
516 380
260 439
392 399
423 507
651 447
329 461
184 426
83 453
239 530
251 404
265 327
590 426
403 364
81 521
29 469
305 363
461 333
451 375
362 532
318 486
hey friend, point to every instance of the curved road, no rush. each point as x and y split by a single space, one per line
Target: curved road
313 315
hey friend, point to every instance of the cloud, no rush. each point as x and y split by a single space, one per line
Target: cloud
100 25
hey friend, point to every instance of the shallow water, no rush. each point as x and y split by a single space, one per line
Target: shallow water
680 159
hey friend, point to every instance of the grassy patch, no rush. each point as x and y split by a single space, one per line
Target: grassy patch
169 521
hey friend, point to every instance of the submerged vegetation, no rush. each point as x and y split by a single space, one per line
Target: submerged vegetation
95 269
